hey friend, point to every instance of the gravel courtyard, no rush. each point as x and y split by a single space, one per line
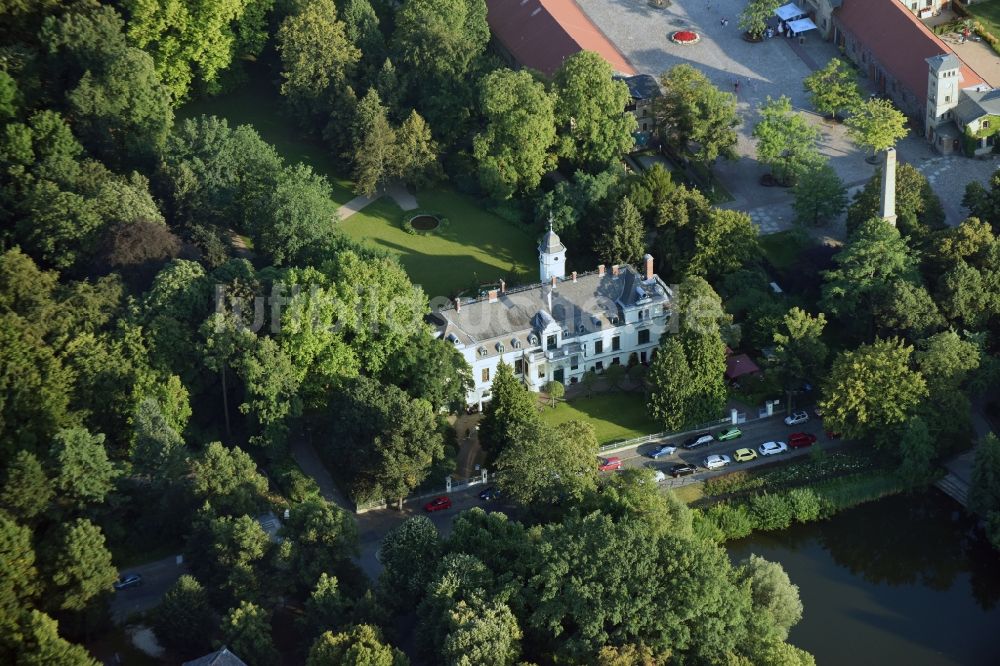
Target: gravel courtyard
771 68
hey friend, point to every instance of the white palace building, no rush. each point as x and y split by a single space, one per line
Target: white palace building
562 327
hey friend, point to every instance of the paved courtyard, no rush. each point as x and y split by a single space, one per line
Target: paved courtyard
771 68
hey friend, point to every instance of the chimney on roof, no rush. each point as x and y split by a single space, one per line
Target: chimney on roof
600 270
458 304
493 295
574 276
614 270
553 281
649 266
503 287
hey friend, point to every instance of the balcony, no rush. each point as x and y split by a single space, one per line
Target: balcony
563 352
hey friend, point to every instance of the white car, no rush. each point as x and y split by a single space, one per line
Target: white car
659 476
796 418
772 448
716 461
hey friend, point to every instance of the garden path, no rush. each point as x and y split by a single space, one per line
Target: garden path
396 189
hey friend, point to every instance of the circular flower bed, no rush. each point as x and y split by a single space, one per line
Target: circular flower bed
685 37
423 222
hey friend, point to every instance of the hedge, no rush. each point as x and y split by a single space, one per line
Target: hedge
777 511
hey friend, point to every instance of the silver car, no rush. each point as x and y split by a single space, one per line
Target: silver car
716 461
772 448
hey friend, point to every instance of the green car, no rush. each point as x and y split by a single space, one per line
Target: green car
726 435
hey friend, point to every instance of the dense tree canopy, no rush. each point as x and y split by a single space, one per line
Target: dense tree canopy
693 110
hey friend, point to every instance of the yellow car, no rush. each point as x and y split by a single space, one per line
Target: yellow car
745 455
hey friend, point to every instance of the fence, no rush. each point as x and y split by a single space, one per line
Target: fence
613 447
450 485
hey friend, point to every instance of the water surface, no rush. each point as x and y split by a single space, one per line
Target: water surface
905 580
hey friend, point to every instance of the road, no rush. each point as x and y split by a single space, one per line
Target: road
755 433
373 525
157 578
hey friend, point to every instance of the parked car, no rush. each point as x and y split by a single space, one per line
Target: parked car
489 494
438 504
772 448
800 440
682 469
716 461
744 455
701 439
128 580
796 418
609 464
728 434
662 450
659 476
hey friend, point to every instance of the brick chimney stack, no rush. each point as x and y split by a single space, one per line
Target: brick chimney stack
574 276
493 295
614 270
458 305
600 270
553 281
649 266
503 287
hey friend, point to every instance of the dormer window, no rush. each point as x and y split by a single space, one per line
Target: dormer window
515 343
985 123
500 347
532 339
482 351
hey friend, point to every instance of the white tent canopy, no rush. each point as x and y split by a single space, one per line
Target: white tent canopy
789 11
801 25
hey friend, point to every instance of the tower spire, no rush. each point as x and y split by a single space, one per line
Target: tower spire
887 209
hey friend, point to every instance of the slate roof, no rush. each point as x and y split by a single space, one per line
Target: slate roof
541 34
976 104
642 86
551 243
590 304
899 41
221 658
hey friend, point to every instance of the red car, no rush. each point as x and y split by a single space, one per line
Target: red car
799 440
438 504
609 464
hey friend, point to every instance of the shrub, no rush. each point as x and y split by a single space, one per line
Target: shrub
728 483
705 527
770 512
733 521
805 504
294 485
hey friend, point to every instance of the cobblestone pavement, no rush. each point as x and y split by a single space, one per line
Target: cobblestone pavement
771 68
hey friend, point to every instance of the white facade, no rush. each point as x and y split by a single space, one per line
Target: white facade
561 328
551 256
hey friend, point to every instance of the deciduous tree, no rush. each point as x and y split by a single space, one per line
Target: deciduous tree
820 195
876 125
78 565
623 242
593 131
41 644
247 631
918 208
322 538
692 109
510 412
183 620
409 554
786 142
871 387
363 645
774 599
799 351
228 480
984 488
545 463
834 88
83 473
27 490
754 17
514 149
19 584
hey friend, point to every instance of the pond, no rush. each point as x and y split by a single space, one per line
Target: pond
905 580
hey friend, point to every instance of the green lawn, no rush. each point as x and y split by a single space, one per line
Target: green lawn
258 103
614 415
475 246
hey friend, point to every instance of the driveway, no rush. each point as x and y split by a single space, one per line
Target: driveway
157 578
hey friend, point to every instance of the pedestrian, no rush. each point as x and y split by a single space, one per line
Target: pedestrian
736 85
